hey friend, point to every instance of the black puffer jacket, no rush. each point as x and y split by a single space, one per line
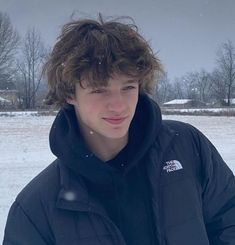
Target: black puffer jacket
193 193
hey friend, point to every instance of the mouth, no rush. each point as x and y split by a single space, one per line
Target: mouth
116 120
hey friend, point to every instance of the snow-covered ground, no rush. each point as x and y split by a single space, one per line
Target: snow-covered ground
24 149
24 152
226 111
193 110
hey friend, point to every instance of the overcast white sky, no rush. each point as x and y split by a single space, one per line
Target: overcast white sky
186 33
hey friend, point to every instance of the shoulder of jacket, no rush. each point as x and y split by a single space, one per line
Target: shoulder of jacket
44 186
186 132
176 125
181 128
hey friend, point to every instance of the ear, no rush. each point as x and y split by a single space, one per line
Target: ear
70 101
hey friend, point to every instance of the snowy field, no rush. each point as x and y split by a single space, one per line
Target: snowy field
24 149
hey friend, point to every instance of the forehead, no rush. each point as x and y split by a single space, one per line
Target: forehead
114 80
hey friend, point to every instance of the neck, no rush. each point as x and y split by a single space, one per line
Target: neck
104 148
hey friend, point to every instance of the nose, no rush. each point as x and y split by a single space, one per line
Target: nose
116 103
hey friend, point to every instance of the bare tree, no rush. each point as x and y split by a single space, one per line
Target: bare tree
226 68
202 85
9 41
177 89
189 86
163 90
30 67
195 85
218 88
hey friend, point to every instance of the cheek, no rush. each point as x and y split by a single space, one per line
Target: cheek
87 115
89 108
88 111
133 100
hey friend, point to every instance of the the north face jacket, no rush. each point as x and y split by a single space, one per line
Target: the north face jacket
193 192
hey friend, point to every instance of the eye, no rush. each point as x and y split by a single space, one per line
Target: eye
130 87
98 91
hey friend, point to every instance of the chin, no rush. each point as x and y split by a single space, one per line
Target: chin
117 135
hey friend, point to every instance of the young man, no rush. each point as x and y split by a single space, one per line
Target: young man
122 175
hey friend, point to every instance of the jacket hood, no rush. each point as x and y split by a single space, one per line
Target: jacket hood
67 144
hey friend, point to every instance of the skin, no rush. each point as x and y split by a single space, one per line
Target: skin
104 114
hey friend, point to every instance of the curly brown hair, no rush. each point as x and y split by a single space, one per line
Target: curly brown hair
94 50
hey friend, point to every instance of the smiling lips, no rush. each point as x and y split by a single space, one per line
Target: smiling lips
115 121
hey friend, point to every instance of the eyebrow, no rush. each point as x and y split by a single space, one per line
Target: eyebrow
131 81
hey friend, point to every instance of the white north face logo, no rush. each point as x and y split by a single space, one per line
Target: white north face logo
172 166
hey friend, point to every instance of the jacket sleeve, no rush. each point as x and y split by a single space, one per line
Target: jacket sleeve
218 195
20 229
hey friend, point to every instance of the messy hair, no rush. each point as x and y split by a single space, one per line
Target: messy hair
95 50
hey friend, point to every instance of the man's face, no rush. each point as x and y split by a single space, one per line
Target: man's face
107 111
